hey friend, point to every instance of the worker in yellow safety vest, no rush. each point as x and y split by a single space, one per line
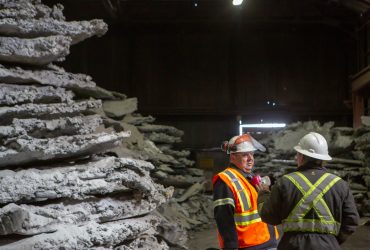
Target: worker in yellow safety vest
315 208
235 200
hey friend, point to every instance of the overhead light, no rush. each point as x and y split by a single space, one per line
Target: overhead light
237 2
261 125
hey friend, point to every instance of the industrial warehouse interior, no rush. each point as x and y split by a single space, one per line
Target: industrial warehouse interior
113 112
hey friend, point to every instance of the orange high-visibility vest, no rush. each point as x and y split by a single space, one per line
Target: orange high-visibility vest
249 226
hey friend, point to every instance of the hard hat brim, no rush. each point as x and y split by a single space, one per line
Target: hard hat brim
312 155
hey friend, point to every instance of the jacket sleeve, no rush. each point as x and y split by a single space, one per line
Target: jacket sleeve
270 205
224 204
350 217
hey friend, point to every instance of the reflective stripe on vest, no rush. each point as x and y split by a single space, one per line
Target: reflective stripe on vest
312 199
225 201
241 192
247 218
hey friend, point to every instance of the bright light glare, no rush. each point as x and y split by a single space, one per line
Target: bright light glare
260 125
237 2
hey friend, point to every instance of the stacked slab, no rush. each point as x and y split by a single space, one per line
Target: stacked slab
59 186
350 149
190 208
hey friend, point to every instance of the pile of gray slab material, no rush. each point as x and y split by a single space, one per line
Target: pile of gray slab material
60 187
350 149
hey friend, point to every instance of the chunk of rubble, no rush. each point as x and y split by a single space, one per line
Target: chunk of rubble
11 94
56 78
50 111
365 120
35 51
78 181
23 9
51 128
26 149
137 119
30 220
117 109
89 235
146 241
162 138
147 128
363 142
31 28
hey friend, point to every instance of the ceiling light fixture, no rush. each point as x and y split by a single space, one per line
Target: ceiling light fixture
237 2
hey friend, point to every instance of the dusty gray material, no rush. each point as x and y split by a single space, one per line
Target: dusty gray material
365 120
78 181
117 109
193 190
25 149
96 92
186 161
31 28
36 51
11 94
146 241
175 153
162 138
49 111
147 128
29 220
29 9
341 143
363 142
56 78
88 236
137 119
51 128
347 161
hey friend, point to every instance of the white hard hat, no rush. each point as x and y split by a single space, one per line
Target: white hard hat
242 143
314 145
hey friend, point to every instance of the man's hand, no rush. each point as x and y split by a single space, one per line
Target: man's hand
262 188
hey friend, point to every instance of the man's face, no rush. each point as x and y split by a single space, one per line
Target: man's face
243 160
299 159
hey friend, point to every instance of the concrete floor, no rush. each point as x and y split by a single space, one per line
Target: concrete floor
202 240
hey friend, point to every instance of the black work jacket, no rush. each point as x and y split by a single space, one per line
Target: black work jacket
284 195
224 216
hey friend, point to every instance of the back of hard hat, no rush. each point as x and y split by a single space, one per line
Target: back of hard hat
313 145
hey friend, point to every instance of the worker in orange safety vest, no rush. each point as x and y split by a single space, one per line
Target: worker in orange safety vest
235 200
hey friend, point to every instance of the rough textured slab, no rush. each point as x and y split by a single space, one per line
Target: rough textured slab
56 78
117 109
25 150
51 128
146 128
162 138
31 28
48 111
36 51
30 220
137 119
88 236
145 241
79 181
23 9
19 94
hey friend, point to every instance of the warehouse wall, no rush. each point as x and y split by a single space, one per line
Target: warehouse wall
196 76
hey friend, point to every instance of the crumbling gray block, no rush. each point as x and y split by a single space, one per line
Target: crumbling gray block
147 128
25 150
137 119
23 9
56 78
162 138
30 220
119 108
51 128
31 28
78 181
36 51
91 235
11 94
47 111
